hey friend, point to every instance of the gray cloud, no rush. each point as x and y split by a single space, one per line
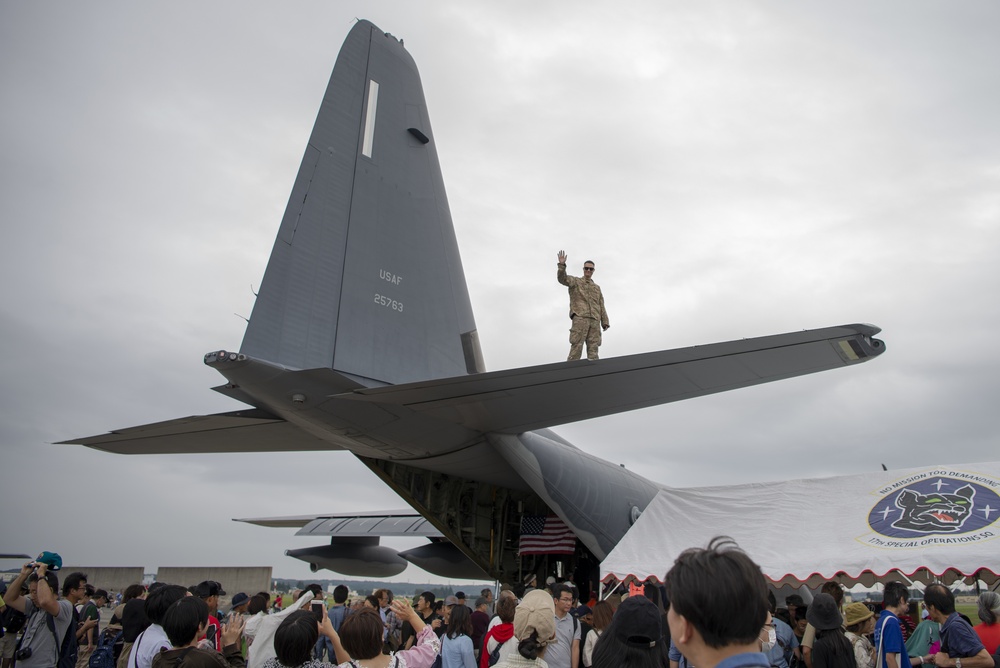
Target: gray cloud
734 170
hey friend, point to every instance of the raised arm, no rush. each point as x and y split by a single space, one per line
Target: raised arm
406 613
561 273
428 646
47 599
326 629
13 596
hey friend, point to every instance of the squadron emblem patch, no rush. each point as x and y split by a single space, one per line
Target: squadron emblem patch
936 507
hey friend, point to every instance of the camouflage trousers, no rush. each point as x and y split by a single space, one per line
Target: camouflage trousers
584 330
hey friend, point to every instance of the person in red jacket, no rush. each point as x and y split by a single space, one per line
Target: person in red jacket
495 646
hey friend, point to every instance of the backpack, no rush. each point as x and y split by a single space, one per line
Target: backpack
494 655
13 620
68 647
392 640
104 654
116 637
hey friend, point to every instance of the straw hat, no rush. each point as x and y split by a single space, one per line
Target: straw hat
856 613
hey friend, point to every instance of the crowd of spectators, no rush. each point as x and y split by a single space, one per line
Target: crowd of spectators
712 610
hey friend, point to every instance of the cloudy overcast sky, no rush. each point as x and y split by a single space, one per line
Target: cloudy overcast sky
735 169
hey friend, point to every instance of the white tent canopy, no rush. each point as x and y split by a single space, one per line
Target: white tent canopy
926 524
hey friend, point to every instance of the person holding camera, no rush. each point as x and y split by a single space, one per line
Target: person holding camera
51 624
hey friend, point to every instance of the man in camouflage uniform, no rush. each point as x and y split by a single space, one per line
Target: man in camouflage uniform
586 310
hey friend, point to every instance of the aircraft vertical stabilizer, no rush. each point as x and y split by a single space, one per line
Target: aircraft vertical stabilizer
365 275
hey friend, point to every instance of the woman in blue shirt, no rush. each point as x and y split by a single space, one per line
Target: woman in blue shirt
456 645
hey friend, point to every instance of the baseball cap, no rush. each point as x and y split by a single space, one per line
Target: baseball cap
50 559
637 622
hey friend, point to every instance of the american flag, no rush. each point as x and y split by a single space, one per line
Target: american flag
545 535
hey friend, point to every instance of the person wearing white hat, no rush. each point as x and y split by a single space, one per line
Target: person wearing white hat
534 631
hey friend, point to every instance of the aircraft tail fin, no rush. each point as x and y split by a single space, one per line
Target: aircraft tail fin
365 275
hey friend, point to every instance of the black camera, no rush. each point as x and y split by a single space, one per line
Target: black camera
23 653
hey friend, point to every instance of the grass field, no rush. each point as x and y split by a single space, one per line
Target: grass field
970 610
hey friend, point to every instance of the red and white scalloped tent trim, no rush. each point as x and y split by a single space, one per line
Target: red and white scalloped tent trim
852 529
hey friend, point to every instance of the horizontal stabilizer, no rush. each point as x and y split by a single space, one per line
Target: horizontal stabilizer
250 430
520 400
370 525
291 521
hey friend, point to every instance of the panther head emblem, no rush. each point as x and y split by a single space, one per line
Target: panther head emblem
934 512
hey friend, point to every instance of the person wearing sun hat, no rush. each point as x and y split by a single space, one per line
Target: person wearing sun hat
831 649
239 603
860 623
834 589
534 630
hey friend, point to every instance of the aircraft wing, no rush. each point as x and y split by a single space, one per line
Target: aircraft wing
531 398
251 430
354 525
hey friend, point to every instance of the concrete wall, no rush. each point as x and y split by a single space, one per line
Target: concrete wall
249 580
111 578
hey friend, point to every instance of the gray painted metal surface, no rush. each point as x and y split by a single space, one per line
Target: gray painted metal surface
385 525
365 275
362 338
361 557
520 400
289 521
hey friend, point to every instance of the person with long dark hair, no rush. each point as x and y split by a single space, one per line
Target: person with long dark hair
634 638
131 618
456 645
603 612
831 649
